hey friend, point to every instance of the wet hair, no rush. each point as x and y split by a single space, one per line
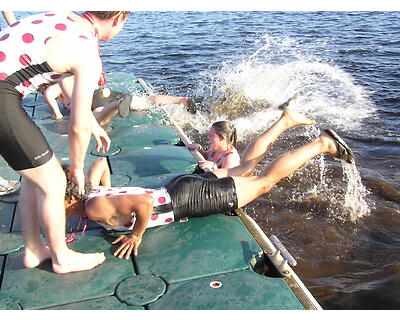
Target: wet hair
72 190
227 130
105 15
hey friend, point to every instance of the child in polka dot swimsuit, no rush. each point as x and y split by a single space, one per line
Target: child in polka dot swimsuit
35 51
190 195
162 210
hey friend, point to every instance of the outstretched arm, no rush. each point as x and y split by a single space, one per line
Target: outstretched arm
80 58
109 210
199 148
9 16
51 94
131 242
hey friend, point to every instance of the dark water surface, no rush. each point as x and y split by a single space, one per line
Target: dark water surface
342 224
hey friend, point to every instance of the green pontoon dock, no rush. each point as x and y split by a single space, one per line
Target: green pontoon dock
215 262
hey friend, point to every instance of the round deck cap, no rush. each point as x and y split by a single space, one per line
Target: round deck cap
111 152
140 289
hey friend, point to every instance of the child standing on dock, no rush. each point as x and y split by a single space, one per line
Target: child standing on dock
36 51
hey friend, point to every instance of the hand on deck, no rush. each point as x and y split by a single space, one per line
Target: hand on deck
130 243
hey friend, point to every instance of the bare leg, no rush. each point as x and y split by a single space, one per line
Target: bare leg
42 202
50 96
143 103
160 100
105 113
99 173
140 103
259 146
35 250
249 188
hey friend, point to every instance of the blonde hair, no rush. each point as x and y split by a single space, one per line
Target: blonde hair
227 130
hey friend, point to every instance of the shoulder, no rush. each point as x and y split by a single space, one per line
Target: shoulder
66 52
231 158
234 151
211 153
116 201
96 205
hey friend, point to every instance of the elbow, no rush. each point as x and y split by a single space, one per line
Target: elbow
90 214
77 129
47 96
149 201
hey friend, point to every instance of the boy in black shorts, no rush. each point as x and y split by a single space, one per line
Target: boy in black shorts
105 107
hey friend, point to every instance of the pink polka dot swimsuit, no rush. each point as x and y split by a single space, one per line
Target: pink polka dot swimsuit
162 208
22 49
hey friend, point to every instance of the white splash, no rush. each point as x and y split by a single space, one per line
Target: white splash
355 197
275 72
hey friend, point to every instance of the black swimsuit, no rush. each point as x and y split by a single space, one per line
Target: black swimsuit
22 144
202 195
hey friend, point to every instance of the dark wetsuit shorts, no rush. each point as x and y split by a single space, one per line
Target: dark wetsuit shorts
202 195
22 144
99 100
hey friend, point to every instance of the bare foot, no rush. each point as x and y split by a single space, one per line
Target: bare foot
188 104
294 118
184 101
75 261
329 143
32 258
57 116
287 103
336 146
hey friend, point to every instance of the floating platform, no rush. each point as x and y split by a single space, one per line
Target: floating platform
216 262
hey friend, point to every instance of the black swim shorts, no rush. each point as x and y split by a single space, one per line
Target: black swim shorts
100 101
200 196
22 144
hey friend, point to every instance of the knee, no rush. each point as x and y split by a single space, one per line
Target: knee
154 99
54 180
101 164
265 188
58 179
246 168
53 186
101 161
47 179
